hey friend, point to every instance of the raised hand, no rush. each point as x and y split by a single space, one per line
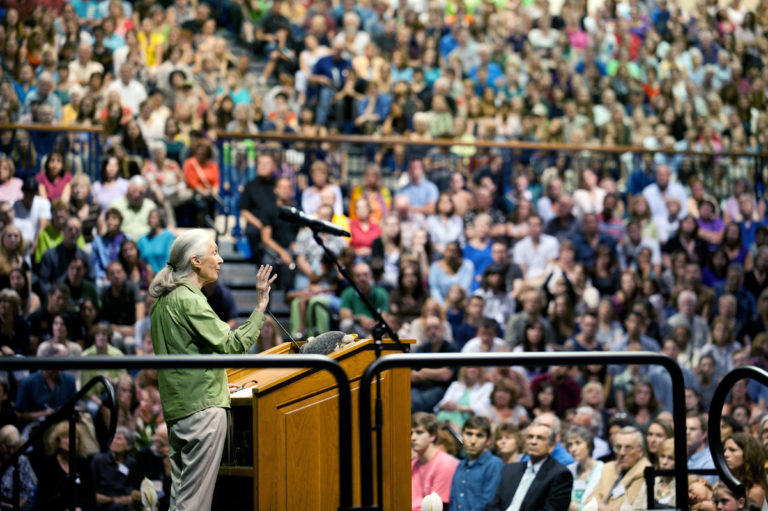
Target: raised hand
264 286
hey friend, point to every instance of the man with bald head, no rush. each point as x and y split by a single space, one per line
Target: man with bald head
43 94
622 480
81 69
135 208
656 194
355 316
540 483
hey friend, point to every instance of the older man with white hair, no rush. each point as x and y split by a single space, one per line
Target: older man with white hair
43 94
81 69
622 480
538 483
589 418
135 208
686 316
559 452
131 91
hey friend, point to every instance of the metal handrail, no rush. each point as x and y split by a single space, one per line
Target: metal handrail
318 362
508 359
437 142
716 413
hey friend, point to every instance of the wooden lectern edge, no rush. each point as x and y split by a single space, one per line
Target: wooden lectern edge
278 377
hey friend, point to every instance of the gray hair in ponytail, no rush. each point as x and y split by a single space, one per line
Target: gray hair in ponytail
194 242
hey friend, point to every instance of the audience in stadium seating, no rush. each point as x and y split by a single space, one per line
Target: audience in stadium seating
135 120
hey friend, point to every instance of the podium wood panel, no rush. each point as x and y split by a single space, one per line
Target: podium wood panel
294 424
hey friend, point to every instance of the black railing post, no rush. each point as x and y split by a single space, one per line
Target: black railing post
716 413
73 476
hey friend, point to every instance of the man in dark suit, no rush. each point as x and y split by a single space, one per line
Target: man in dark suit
541 483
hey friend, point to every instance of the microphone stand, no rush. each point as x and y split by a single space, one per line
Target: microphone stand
378 332
382 327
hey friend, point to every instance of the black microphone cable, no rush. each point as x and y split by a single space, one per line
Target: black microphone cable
298 348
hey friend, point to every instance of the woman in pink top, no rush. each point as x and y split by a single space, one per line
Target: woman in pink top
10 185
54 182
362 229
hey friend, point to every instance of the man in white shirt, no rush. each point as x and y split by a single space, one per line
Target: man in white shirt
656 194
131 92
536 252
81 69
32 213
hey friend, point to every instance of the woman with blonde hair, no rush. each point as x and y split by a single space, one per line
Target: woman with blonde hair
10 440
12 249
55 472
467 396
664 486
10 185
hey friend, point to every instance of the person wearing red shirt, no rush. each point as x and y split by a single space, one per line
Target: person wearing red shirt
203 177
362 229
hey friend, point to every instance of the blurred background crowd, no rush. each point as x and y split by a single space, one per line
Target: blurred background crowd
122 122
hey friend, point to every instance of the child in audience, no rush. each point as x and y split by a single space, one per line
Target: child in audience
478 476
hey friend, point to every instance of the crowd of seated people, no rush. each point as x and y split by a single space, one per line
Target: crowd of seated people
459 247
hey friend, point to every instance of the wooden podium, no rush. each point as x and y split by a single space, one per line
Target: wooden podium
283 441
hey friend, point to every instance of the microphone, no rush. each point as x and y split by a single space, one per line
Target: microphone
296 216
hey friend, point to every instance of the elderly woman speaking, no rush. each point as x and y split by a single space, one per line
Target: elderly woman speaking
194 400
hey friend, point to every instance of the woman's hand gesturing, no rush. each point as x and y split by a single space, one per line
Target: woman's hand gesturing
264 286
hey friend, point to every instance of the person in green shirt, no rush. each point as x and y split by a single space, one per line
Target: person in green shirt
194 400
355 316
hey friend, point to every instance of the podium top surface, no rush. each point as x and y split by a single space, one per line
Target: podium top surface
259 381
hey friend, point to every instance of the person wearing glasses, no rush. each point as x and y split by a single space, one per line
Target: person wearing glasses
622 480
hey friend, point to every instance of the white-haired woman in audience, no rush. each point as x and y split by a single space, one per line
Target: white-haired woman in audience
10 440
586 470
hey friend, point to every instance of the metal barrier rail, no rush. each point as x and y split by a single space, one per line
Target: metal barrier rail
522 359
223 361
348 155
716 413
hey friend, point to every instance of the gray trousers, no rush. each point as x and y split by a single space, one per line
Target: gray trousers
197 444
